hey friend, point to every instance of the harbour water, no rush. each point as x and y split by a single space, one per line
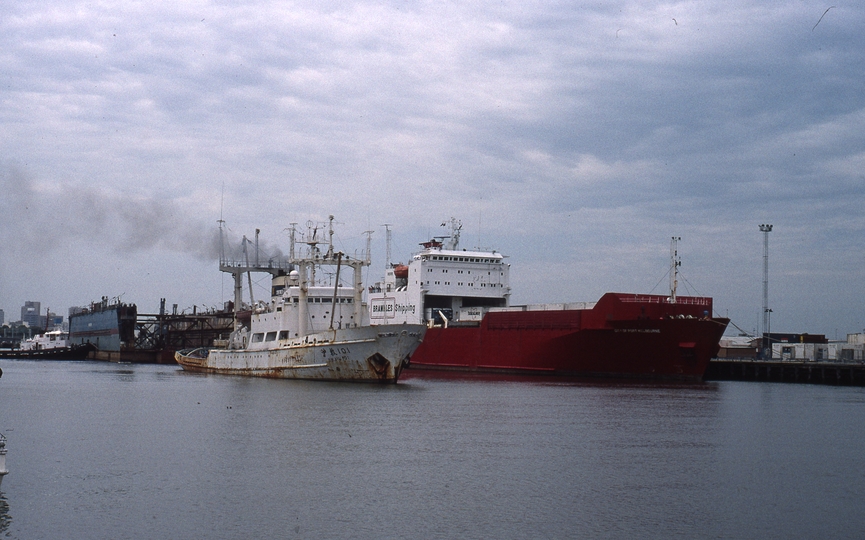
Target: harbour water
99 450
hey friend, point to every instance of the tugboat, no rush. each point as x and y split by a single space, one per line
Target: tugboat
308 330
52 345
464 298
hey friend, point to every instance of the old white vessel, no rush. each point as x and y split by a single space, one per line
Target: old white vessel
308 329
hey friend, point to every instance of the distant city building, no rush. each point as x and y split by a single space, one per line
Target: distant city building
2 318
54 322
31 313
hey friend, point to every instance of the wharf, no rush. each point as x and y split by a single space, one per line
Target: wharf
835 373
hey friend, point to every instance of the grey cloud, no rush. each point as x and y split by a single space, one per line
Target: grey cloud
610 127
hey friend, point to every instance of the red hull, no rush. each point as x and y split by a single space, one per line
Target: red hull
624 335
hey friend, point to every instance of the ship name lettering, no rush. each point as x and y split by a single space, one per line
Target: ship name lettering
405 308
333 352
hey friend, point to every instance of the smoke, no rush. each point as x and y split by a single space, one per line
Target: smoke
234 249
38 218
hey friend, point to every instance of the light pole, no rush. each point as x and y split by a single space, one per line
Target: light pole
766 229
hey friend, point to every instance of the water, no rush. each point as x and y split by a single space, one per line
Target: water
101 450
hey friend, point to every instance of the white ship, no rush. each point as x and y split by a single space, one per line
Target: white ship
308 329
52 345
53 339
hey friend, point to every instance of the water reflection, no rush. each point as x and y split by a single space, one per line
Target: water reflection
5 518
599 382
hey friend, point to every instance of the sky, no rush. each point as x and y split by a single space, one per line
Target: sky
575 138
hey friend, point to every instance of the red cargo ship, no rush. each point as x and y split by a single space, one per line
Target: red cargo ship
463 296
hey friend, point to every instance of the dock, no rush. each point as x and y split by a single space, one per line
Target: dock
834 373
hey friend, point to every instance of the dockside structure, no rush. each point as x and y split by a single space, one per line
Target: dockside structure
121 334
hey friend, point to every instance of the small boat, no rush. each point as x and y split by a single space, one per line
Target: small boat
52 345
308 330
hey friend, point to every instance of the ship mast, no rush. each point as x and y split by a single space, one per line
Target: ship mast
675 263
237 268
248 273
292 231
455 227
304 263
330 237
387 236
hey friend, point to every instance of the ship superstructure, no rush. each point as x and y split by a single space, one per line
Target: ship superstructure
442 285
52 339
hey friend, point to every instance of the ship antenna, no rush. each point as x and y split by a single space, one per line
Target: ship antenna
330 237
291 234
387 245
257 231
675 263
221 242
221 222
455 227
368 257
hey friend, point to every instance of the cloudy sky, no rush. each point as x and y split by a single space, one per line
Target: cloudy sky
577 138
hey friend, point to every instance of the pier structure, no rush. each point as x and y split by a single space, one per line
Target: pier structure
835 373
159 335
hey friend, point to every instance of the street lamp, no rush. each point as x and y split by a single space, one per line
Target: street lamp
766 229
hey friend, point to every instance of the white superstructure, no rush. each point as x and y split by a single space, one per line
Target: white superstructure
55 339
442 284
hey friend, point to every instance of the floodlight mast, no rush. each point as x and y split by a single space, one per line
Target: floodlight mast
766 330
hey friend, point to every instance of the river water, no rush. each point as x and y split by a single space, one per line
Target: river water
100 450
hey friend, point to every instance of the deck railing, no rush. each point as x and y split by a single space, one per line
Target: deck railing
658 299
